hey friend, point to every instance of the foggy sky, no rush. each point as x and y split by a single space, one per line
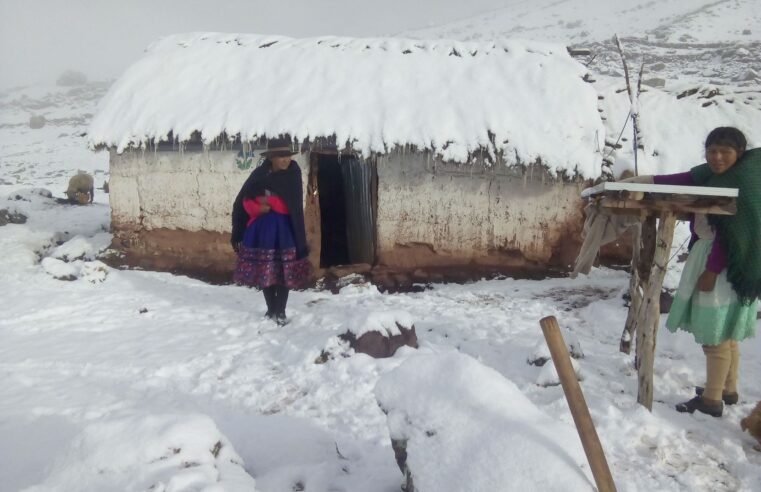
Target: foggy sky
101 38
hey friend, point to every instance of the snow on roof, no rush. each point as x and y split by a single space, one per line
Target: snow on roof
528 98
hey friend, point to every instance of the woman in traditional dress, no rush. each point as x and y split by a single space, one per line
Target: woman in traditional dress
717 297
268 229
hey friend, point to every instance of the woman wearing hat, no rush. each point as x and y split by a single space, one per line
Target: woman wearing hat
268 229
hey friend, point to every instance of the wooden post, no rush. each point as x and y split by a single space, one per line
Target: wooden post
642 260
635 296
579 410
651 309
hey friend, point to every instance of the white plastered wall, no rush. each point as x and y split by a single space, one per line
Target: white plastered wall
471 210
192 190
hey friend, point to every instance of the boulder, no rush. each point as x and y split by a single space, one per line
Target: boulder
381 334
36 122
8 217
655 82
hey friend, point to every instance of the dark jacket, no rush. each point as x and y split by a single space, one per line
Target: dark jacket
285 184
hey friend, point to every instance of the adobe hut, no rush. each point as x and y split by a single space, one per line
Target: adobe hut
419 157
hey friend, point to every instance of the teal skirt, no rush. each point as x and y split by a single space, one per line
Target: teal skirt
712 317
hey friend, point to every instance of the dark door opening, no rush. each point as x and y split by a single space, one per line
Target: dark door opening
345 187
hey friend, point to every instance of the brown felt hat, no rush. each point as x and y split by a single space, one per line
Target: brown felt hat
278 147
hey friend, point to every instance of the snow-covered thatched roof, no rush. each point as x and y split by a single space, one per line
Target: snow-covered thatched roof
525 99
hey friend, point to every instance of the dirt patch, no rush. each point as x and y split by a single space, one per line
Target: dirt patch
577 298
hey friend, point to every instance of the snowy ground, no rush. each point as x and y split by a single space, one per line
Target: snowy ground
127 380
95 371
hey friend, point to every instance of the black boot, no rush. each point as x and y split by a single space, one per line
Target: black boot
281 299
269 298
728 398
714 409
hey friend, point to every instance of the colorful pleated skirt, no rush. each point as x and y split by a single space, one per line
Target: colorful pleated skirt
267 255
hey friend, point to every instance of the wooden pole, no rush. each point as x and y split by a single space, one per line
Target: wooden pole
647 327
579 410
642 261
635 295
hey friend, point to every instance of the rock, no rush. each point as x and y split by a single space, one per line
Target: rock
344 270
748 76
381 346
658 66
380 334
549 375
36 122
8 217
400 455
350 279
574 346
746 32
655 82
667 298
540 355
71 78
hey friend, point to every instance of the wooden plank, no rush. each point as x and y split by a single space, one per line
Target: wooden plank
578 405
654 188
657 206
650 314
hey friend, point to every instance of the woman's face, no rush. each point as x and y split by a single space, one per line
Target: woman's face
721 158
280 163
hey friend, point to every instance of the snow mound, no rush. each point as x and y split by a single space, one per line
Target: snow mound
91 271
82 248
34 195
161 453
59 269
521 100
384 322
469 428
548 376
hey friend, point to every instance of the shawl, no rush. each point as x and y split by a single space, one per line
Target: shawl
739 234
288 186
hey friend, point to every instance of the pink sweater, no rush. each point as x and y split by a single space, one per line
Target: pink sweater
251 206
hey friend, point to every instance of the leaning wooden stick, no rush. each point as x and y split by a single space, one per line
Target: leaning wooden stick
579 410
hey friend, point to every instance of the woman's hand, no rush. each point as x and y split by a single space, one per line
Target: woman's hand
707 281
264 207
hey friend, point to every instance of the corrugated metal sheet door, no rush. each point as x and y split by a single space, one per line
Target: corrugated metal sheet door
359 192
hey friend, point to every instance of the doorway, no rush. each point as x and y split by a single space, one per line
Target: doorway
346 188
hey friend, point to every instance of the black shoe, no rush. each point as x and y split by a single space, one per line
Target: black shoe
269 315
280 319
697 403
728 398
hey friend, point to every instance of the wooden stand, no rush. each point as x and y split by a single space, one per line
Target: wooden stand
651 256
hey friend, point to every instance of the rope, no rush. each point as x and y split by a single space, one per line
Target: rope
613 149
678 250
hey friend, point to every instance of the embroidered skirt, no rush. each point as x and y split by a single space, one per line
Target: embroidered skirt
712 317
267 255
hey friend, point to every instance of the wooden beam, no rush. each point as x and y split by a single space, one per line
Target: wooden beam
673 206
650 310
578 406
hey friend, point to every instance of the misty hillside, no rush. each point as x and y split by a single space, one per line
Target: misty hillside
701 41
